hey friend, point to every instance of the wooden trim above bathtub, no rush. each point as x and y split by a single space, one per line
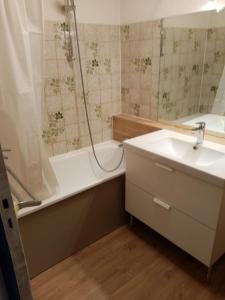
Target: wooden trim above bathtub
128 126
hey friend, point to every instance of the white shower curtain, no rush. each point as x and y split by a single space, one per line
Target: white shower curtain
219 102
21 92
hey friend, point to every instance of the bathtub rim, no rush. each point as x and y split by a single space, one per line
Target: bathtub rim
56 198
78 151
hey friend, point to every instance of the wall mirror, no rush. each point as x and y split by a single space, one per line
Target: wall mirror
192 70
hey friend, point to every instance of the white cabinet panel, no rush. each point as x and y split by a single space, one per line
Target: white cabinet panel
182 230
192 196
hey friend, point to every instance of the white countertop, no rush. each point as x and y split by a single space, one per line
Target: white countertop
212 172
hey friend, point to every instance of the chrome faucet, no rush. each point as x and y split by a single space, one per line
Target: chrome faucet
199 132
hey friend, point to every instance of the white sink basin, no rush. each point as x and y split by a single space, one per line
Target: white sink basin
170 146
183 150
209 158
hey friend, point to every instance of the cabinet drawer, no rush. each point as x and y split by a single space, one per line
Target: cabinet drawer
194 197
185 232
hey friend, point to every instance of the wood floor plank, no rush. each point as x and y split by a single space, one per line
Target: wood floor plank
134 264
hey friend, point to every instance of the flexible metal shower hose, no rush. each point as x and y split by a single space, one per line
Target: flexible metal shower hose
85 100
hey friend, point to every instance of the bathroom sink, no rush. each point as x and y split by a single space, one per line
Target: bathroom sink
177 151
184 151
170 146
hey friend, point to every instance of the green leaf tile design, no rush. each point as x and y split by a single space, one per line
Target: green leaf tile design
186 75
217 56
66 46
55 85
142 64
76 143
125 30
94 48
190 34
196 45
64 27
166 102
107 64
92 66
109 122
195 69
181 71
206 68
214 89
210 33
95 63
125 91
186 86
98 111
86 96
165 73
58 115
55 128
60 28
176 45
70 83
147 61
136 109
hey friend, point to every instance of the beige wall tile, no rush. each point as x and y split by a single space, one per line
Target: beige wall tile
59 148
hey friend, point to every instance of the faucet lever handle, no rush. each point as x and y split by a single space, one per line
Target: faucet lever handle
201 124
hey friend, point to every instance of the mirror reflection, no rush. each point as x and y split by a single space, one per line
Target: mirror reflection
192 73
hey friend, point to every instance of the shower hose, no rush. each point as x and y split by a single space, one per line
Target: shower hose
73 8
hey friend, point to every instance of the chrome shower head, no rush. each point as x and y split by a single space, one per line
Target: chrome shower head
69 6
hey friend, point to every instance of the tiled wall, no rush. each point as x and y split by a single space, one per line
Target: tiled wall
122 66
213 67
65 126
181 72
140 53
190 71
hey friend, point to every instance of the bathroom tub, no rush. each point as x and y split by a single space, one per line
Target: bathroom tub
89 205
78 171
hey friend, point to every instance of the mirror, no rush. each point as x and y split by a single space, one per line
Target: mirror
192 70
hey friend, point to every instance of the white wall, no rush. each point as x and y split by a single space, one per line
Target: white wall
142 10
195 20
218 19
205 19
88 11
127 11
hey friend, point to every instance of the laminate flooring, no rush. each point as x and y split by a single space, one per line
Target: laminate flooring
130 264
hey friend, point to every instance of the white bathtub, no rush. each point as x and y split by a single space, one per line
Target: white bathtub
77 171
213 122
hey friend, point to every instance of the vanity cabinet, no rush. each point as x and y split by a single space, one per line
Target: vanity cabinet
185 209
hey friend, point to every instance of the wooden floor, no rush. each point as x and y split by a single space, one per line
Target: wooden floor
130 264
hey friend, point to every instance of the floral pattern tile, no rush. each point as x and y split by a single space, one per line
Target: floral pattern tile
144 81
188 84
65 129
180 72
140 48
213 67
54 129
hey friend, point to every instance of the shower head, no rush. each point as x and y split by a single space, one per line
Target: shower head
69 6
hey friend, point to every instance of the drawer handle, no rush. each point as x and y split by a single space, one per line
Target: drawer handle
164 167
161 203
